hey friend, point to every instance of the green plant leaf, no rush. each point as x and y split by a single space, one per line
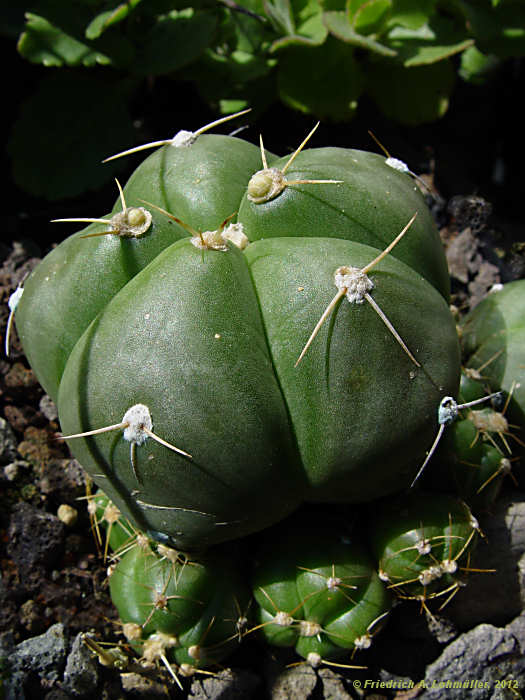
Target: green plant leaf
324 80
41 42
476 67
110 17
500 30
280 14
411 14
175 40
432 42
367 16
70 113
337 24
411 96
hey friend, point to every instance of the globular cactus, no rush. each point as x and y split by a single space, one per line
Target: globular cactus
187 613
493 343
213 375
475 455
318 592
423 544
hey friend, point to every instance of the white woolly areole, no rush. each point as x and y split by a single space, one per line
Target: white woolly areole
397 164
430 574
333 582
282 618
209 240
123 222
15 298
132 631
449 566
314 659
363 642
235 234
447 411
423 547
137 417
356 283
474 523
183 138
307 628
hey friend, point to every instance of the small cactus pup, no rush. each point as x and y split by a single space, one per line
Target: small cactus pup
493 343
473 459
318 592
120 534
422 543
187 613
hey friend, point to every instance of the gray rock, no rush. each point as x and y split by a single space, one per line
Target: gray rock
81 674
138 686
229 684
35 537
497 596
295 682
44 655
333 686
8 452
41 657
473 665
11 687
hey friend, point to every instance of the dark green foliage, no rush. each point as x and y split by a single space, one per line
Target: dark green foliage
317 56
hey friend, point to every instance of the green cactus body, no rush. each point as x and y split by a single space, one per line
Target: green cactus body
471 388
317 593
202 183
468 466
493 337
190 611
205 338
350 209
422 543
120 533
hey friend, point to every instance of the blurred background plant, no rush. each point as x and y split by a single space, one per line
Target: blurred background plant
100 67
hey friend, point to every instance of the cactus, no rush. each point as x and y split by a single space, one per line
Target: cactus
173 349
423 544
175 610
493 342
317 592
